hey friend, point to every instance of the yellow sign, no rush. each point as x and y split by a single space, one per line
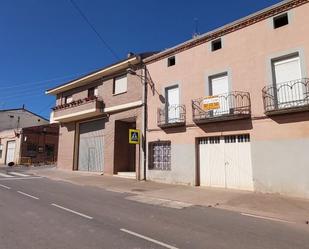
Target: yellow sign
211 103
134 136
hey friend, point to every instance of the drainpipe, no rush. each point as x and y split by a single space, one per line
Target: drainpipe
144 144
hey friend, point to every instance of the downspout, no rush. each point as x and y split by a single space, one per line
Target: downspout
144 143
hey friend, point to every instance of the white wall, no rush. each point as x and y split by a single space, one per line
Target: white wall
9 119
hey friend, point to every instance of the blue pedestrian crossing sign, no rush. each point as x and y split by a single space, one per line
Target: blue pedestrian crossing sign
134 136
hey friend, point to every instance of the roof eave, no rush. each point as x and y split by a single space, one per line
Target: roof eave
93 76
228 28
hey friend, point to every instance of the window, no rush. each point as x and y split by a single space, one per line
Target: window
93 92
287 69
216 44
68 99
172 104
219 86
210 140
281 20
31 149
120 84
49 149
171 61
1 149
289 88
160 155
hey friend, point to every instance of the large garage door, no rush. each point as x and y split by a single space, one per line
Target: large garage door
225 161
91 139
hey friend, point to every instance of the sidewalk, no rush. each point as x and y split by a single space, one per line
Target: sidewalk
268 205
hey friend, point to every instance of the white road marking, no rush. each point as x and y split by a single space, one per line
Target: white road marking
159 201
20 178
17 174
72 211
31 196
3 186
5 175
265 218
147 238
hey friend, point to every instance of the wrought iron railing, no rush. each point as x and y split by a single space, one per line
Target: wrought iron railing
173 115
287 96
232 105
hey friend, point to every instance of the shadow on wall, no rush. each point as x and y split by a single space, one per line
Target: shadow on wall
291 118
172 130
233 125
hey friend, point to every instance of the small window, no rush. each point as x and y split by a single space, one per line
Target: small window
171 61
1 149
230 139
160 155
31 149
68 99
93 92
120 84
50 150
216 45
281 20
243 138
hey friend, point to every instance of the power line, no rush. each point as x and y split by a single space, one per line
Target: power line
39 82
47 106
94 30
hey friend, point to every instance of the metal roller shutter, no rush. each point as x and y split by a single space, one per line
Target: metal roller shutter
91 138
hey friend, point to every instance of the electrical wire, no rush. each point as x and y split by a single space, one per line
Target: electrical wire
94 30
16 85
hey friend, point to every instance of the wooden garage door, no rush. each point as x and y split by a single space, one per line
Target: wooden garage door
91 138
225 161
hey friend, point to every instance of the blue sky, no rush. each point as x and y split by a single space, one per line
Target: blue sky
46 42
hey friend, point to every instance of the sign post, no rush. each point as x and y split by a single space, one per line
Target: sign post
134 136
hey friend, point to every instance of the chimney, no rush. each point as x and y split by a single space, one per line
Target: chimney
130 54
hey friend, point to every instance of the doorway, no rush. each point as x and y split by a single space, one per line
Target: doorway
124 153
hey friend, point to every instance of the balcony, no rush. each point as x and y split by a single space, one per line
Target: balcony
76 110
229 106
171 116
288 97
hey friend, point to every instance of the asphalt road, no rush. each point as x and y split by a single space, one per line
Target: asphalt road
39 213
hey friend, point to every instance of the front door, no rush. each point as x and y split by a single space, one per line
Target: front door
10 151
172 104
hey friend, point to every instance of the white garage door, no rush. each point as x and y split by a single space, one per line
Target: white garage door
10 151
226 162
91 135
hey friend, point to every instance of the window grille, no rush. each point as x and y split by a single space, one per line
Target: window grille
160 155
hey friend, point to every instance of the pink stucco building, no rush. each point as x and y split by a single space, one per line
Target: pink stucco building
230 108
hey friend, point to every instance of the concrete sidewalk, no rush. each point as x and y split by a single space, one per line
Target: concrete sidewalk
267 205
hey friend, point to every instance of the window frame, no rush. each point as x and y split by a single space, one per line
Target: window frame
171 61
67 97
165 165
276 18
95 92
114 84
214 42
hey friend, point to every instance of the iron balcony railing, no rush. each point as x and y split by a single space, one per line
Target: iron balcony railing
229 106
291 96
173 115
